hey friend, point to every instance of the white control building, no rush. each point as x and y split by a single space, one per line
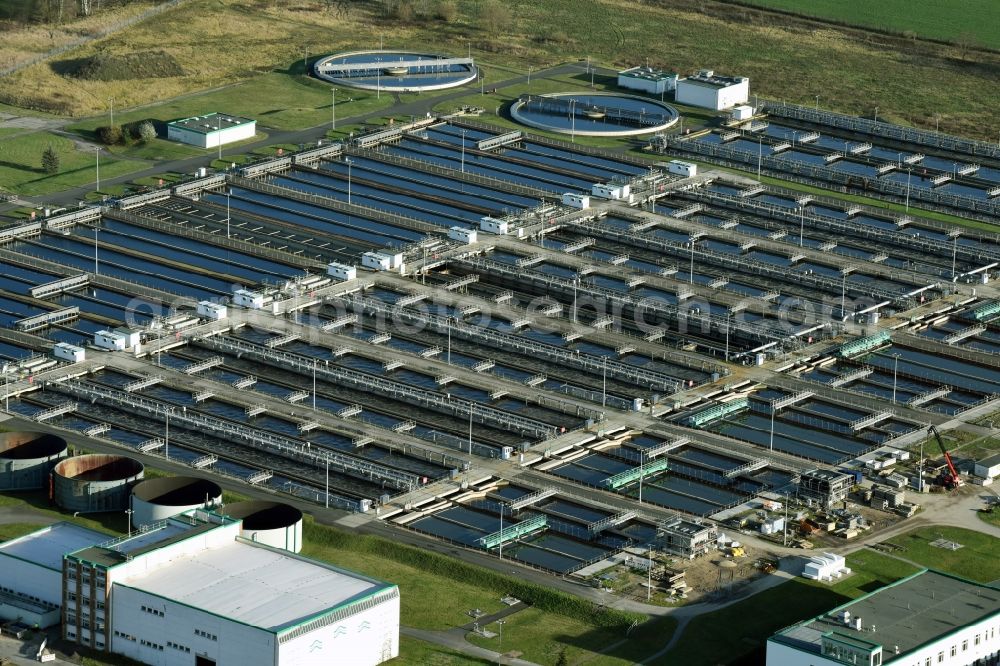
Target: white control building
707 90
211 130
927 619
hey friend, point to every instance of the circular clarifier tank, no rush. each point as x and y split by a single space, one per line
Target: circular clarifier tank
594 114
395 71
96 482
27 458
158 499
271 523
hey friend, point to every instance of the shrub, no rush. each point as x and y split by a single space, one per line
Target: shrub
147 132
110 135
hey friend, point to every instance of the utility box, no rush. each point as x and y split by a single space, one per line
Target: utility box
341 272
463 235
213 311
378 261
68 352
580 201
609 191
682 168
492 225
111 340
245 298
741 112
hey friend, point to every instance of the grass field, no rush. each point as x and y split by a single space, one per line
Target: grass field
21 164
220 42
976 560
976 21
748 623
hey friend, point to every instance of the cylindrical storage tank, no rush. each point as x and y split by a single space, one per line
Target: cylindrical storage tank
27 459
158 499
96 482
270 523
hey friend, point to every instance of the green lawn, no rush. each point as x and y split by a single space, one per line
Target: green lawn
976 560
976 21
277 100
413 652
21 164
736 634
541 637
38 500
993 518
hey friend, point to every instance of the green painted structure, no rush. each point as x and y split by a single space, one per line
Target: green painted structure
512 532
986 311
866 344
632 475
715 412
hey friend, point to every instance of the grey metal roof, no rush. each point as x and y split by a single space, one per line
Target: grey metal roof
909 613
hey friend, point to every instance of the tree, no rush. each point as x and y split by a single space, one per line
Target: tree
562 660
147 132
494 17
50 160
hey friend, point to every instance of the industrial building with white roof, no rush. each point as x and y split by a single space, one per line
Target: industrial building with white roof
191 591
926 619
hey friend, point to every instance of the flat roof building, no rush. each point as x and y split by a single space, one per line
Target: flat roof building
647 79
825 487
988 468
211 130
708 90
927 618
191 590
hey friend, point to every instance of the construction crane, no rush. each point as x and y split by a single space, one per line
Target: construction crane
949 479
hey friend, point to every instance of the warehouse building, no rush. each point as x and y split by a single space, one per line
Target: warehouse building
190 590
929 618
708 90
647 79
211 130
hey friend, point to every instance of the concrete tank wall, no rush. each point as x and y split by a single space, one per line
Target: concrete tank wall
97 482
158 499
27 459
270 523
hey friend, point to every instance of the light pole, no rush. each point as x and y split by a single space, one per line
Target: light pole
166 435
729 317
97 154
529 78
817 102
802 223
96 267
642 471
760 154
876 116
604 384
909 172
691 269
128 512
463 150
843 298
771 444
572 120
500 624
576 281
333 108
895 368
228 215
315 361
348 163
649 573
112 100
954 256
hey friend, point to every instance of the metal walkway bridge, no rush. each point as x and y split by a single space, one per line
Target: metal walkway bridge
254 437
511 342
448 404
